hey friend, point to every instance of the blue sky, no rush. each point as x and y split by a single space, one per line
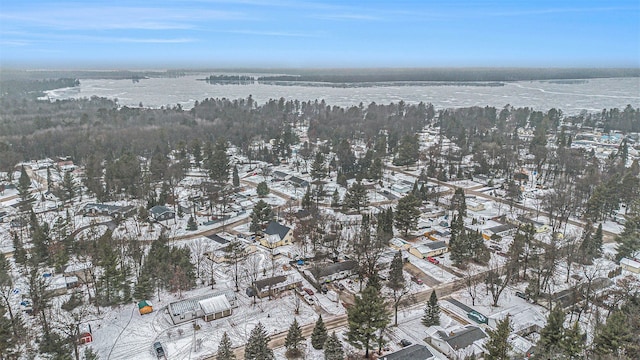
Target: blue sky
284 33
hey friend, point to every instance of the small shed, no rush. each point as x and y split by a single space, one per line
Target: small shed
85 338
145 307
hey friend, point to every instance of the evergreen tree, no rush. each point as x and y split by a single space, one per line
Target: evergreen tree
612 337
225 352
366 317
573 342
551 335
319 334
192 224
375 171
356 197
260 216
396 282
407 213
333 348
459 202
257 347
218 163
69 186
335 198
306 199
628 240
262 189
498 346
408 151
318 168
24 183
431 311
293 339
235 177
458 243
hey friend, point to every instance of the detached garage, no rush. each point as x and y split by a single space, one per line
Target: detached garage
215 308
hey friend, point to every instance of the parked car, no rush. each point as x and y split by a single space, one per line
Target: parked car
324 289
416 280
340 286
308 291
405 342
433 260
522 295
157 347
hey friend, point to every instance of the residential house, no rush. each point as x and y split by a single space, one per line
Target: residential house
474 205
412 352
538 226
458 344
275 285
298 182
114 211
276 235
335 271
215 307
160 213
189 309
500 230
80 270
524 319
429 249
630 265
280 175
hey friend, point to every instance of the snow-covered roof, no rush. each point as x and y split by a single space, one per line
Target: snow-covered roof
630 262
188 305
215 304
78 267
522 317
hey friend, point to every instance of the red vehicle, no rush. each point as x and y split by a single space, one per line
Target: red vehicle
433 260
309 291
416 280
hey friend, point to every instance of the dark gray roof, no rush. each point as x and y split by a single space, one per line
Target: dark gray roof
434 245
218 239
501 228
159 210
298 181
463 338
275 228
265 283
280 174
413 352
330 269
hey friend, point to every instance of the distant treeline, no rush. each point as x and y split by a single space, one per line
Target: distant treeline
454 74
33 88
229 79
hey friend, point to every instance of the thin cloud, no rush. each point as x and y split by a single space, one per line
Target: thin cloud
273 33
117 17
364 17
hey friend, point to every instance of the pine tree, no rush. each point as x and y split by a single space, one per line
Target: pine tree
235 177
191 224
396 282
573 342
262 189
431 311
628 240
24 183
498 346
333 348
260 216
551 335
407 213
366 317
224 350
335 198
257 347
318 169
612 336
218 163
356 197
319 334
293 339
458 202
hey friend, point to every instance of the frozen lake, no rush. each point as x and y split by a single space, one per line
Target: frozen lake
572 97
